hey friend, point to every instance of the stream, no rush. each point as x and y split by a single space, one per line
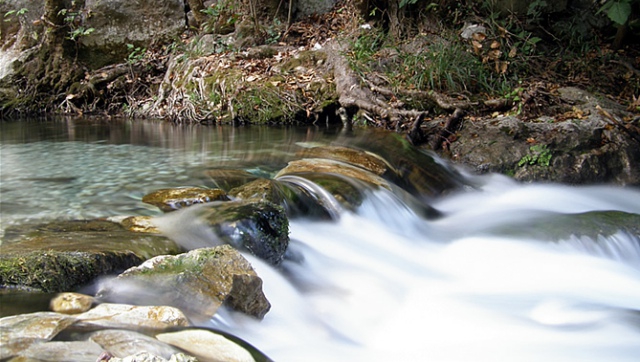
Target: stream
379 283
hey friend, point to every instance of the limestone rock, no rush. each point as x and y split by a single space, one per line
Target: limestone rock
122 343
107 315
410 168
149 357
354 157
173 199
140 224
71 303
577 151
76 351
207 346
19 332
322 165
198 282
260 190
120 22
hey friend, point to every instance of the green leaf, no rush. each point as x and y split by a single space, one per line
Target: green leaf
619 12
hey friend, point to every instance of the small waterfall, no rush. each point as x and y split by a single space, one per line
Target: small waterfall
384 283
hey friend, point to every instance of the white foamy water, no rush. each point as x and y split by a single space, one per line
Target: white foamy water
386 285
382 284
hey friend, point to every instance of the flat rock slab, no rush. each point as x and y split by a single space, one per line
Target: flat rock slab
64 255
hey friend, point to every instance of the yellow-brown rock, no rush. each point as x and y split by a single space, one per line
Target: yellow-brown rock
177 198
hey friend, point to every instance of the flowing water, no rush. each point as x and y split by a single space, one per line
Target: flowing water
380 283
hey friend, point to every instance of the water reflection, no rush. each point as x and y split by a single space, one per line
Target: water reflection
83 168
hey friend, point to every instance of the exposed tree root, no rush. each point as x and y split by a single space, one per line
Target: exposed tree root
378 102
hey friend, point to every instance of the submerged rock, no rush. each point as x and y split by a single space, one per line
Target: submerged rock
590 224
228 179
198 282
64 255
173 199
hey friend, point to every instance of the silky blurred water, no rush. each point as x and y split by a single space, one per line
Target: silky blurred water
380 283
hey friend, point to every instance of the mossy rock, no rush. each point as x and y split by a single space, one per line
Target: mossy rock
259 190
355 157
177 198
328 166
64 255
197 282
261 228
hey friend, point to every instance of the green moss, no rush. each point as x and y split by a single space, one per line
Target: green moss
53 271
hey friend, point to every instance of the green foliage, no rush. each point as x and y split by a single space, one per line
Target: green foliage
618 10
448 67
538 155
79 32
136 54
223 14
74 19
19 12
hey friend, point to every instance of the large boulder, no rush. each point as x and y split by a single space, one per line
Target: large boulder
64 255
198 282
585 148
114 24
119 22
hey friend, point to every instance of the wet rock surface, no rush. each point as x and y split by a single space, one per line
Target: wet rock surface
64 255
117 332
198 282
177 198
584 147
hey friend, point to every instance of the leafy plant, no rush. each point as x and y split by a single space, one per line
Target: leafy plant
223 14
19 12
136 54
79 32
74 19
618 10
538 154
